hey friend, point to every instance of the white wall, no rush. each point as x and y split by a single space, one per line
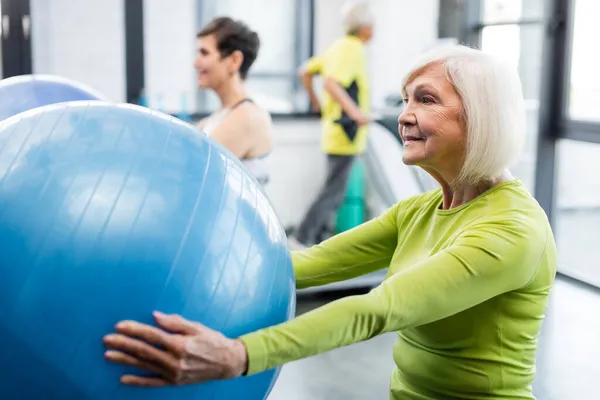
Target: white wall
170 49
81 40
298 168
404 29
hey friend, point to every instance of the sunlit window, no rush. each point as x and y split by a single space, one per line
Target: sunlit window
584 96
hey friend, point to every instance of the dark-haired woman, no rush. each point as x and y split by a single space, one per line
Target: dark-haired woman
226 51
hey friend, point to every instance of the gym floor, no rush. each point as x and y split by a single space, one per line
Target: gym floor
568 355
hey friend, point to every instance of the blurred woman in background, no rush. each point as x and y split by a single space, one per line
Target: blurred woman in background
226 51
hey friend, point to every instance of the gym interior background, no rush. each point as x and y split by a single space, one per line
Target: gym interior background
142 51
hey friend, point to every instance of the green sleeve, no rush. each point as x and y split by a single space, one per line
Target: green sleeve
485 260
364 249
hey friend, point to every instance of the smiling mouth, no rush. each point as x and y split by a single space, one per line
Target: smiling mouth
409 138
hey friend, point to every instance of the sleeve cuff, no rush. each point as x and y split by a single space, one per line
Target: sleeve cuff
257 355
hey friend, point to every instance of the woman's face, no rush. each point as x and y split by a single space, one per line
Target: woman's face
432 124
212 69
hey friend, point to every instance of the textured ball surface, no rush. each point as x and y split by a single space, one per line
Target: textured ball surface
26 92
108 212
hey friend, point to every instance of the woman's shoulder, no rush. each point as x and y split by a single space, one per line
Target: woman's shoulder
510 211
513 199
251 114
251 109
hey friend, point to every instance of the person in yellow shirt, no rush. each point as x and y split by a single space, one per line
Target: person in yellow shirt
345 115
470 266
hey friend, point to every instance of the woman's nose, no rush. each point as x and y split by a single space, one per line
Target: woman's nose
407 117
197 62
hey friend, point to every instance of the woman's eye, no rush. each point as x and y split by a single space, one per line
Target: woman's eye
427 100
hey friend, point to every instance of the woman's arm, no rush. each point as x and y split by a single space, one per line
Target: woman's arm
192 353
339 95
340 73
486 260
312 67
306 77
359 251
490 258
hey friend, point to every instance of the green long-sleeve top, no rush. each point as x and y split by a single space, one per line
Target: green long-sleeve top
466 291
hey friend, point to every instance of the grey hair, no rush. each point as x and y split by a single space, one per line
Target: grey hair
357 13
493 105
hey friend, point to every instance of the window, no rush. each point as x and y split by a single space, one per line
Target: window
285 37
577 187
502 11
1 38
584 96
578 210
520 46
514 30
503 41
170 51
275 29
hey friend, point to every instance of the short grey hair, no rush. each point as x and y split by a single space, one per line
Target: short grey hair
357 13
493 105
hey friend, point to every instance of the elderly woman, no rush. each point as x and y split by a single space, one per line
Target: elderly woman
471 264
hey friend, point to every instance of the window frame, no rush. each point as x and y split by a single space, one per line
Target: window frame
554 121
16 52
304 28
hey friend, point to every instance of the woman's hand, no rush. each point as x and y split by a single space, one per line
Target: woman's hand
361 118
315 106
183 352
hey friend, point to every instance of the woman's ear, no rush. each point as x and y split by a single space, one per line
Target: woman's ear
236 59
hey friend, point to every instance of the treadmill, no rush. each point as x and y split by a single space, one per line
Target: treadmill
387 181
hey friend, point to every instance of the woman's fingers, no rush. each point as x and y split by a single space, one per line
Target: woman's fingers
134 380
141 350
192 353
176 324
125 359
150 334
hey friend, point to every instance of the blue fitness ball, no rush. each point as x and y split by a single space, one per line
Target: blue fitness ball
25 92
108 212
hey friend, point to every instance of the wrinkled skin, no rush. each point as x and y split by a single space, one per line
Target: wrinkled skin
178 352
